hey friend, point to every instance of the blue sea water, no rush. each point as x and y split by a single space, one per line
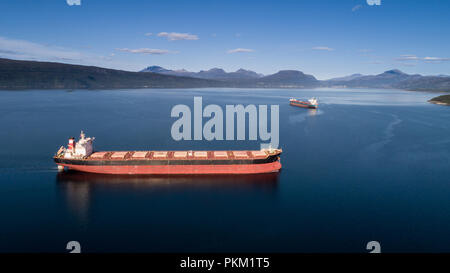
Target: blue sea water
368 165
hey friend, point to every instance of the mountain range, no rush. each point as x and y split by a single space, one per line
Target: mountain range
16 74
394 79
346 78
212 74
296 79
245 78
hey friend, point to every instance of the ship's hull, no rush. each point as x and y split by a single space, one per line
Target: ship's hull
303 104
269 164
178 169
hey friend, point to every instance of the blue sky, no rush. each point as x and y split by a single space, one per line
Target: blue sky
326 38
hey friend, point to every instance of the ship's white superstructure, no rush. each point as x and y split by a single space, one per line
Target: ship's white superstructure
313 101
84 146
81 149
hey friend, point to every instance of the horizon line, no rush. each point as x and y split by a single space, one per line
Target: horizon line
230 71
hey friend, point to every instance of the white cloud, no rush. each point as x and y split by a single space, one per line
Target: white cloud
240 50
357 7
435 59
174 36
323 48
408 58
26 50
146 51
148 34
425 59
20 49
73 2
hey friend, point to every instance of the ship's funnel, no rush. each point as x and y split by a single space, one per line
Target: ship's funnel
71 146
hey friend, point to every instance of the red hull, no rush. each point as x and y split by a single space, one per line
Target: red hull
178 169
303 105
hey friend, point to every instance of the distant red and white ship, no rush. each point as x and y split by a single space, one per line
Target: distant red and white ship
311 103
80 156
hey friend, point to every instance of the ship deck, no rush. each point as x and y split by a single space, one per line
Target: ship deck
179 155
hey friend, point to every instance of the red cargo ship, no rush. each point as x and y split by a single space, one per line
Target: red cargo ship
79 156
311 103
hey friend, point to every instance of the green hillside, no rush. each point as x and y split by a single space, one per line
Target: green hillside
46 75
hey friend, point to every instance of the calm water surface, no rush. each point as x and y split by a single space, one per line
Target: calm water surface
368 165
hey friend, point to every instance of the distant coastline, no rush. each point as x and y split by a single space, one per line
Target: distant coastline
441 100
28 75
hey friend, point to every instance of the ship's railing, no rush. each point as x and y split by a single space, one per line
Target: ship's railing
178 155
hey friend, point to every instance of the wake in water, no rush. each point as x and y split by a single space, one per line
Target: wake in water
299 118
30 170
388 134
